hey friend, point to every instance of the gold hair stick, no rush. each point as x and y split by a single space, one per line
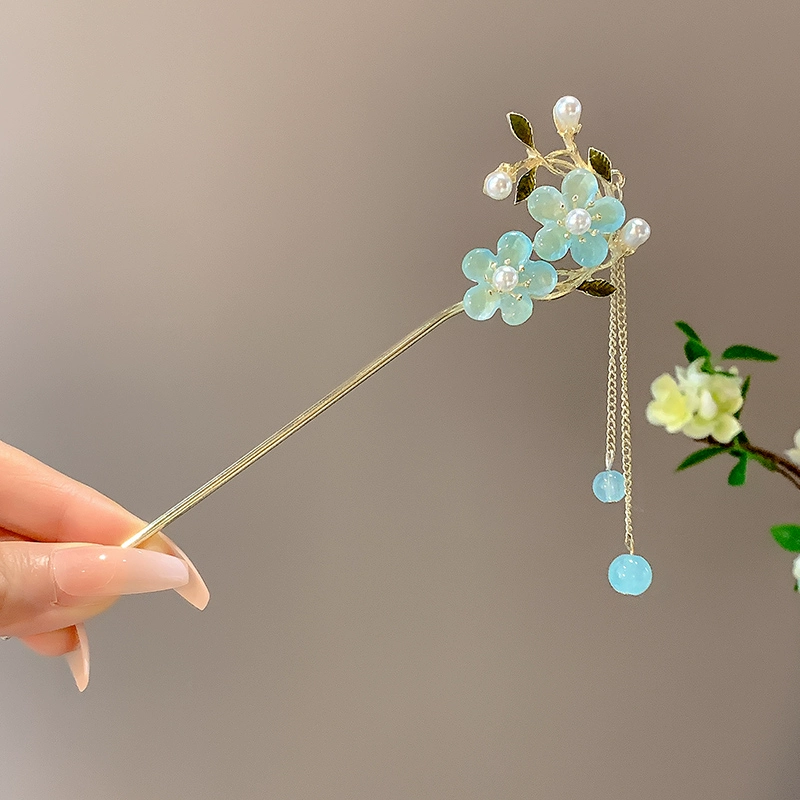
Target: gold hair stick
585 218
572 280
287 430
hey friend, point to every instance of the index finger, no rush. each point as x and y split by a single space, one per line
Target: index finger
38 502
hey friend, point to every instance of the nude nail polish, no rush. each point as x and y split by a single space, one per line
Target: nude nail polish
95 571
195 591
78 660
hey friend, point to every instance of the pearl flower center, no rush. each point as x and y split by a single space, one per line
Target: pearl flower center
578 221
505 278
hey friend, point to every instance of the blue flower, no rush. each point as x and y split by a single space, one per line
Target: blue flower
575 219
507 280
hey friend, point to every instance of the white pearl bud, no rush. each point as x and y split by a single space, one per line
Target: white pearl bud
635 233
567 113
498 185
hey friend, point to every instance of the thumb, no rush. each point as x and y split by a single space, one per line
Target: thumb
45 586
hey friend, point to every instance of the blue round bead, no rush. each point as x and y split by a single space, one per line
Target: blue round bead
630 574
609 486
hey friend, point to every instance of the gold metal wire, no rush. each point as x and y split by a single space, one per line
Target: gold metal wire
618 279
611 394
284 433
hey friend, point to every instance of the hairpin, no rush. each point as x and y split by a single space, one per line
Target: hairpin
584 219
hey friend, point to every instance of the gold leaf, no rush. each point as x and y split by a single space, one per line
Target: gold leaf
597 288
601 163
521 128
525 185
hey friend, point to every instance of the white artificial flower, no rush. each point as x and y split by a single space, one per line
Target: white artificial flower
671 407
699 404
692 377
794 453
796 569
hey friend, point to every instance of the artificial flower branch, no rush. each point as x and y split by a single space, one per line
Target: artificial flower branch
769 460
773 462
705 403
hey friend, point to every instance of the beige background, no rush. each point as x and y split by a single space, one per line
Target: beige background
211 213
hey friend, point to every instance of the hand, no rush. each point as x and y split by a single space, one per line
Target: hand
60 562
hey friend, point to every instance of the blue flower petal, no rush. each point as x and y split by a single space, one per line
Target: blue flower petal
513 248
551 242
516 309
608 214
579 187
538 278
477 264
546 204
480 302
588 250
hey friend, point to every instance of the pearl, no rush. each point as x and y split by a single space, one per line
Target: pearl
498 185
578 221
505 278
609 486
629 574
567 113
636 232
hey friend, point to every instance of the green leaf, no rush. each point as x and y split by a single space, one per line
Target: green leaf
597 288
695 350
787 536
745 390
744 351
699 456
525 185
745 387
688 330
521 128
739 473
601 163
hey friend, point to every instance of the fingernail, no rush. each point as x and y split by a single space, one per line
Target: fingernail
94 571
195 591
78 660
